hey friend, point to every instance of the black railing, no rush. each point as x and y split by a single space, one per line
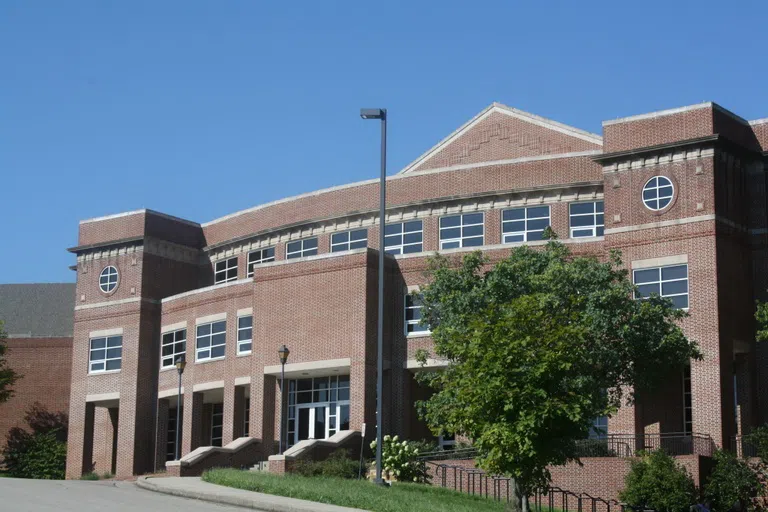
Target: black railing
628 445
742 448
477 482
459 454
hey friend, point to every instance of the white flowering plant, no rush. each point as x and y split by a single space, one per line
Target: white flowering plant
399 460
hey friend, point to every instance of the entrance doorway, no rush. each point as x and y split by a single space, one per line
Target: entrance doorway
317 407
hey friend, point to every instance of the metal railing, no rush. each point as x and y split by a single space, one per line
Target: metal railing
742 448
477 482
628 445
459 454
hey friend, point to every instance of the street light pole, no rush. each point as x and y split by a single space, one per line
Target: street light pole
380 113
283 353
181 362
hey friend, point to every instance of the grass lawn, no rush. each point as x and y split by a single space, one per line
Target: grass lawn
354 493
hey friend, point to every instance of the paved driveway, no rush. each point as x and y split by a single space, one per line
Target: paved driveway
19 495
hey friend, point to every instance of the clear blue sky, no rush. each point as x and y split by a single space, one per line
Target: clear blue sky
202 108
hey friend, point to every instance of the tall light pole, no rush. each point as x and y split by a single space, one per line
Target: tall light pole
380 113
283 353
181 362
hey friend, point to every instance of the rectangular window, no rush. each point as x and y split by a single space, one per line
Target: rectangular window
170 440
447 441
225 271
524 224
464 230
317 407
413 315
301 248
404 237
217 424
211 341
106 354
244 334
348 240
174 344
586 219
247 418
599 428
259 257
687 401
670 282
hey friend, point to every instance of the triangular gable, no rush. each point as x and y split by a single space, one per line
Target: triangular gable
501 133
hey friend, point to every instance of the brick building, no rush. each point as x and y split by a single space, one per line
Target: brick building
38 321
680 192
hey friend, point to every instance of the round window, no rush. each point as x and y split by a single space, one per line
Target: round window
658 193
108 279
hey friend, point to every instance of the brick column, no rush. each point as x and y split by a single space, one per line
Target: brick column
362 400
238 415
161 433
80 438
192 425
228 425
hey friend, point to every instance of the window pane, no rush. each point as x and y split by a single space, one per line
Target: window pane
98 354
343 393
113 364
600 231
115 341
676 272
514 227
98 342
219 327
599 206
582 220
449 233
412 248
310 243
113 353
578 233
204 342
453 220
358 244
217 351
472 231
538 211
204 329
412 225
359 234
412 238
338 238
645 290
473 218
389 241
537 224
245 321
245 347
646 276
649 194
218 339
514 214
577 208
97 367
473 242
393 229
674 287
513 238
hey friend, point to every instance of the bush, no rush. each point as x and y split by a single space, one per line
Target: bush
731 481
758 438
338 465
657 482
398 458
41 453
90 476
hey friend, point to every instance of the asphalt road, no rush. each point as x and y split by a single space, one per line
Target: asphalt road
20 495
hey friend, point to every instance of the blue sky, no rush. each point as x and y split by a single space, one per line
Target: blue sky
202 108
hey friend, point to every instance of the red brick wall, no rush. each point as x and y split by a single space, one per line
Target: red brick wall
658 129
45 365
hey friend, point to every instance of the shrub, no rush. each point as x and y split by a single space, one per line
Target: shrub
657 482
90 476
758 438
338 465
731 481
398 458
41 453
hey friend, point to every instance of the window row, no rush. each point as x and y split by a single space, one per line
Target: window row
523 224
210 341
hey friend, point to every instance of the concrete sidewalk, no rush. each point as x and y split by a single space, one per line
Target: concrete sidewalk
193 487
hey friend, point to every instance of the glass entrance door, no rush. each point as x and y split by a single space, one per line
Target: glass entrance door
312 422
317 407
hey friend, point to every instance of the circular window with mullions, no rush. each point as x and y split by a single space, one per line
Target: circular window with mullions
108 279
658 193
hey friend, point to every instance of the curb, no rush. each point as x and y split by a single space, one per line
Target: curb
245 502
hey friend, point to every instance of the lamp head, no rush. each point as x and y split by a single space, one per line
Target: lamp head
181 363
283 352
373 113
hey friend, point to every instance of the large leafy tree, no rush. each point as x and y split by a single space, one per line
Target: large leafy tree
539 345
7 376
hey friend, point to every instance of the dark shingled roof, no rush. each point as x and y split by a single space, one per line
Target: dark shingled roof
40 310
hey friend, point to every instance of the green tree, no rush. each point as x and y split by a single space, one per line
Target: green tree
40 452
731 481
7 376
538 346
761 315
657 482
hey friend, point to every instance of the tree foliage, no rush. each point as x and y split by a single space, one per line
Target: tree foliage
658 483
40 452
538 346
761 315
7 376
731 481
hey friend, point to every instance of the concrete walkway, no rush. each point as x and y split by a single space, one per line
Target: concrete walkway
193 487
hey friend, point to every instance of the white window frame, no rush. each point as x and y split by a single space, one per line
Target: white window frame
104 360
174 342
220 416
339 245
401 247
418 328
596 228
225 274
333 406
660 281
658 198
462 239
445 442
249 340
210 346
112 278
525 220
303 251
258 257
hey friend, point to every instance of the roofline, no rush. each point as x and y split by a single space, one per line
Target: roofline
107 243
138 212
504 109
677 110
400 175
759 121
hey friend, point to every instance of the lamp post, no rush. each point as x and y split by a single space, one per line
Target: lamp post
181 362
380 113
283 353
